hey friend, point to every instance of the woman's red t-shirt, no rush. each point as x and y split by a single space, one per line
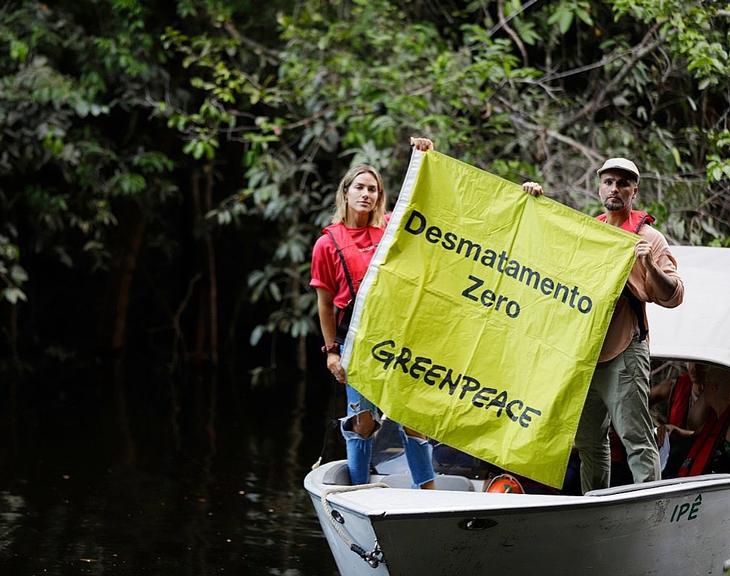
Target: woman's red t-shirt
327 271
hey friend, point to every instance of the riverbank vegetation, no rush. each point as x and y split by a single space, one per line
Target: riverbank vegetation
165 167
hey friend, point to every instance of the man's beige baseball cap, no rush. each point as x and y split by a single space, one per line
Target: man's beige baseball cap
620 164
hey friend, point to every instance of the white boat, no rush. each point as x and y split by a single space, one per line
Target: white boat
677 527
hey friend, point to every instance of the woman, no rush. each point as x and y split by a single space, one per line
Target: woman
339 261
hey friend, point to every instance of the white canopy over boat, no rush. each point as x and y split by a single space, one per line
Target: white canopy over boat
699 329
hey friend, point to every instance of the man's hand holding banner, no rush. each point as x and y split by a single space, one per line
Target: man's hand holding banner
481 317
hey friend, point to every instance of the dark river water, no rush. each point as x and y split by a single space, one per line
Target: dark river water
105 470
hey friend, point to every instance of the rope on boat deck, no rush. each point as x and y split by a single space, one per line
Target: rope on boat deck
375 556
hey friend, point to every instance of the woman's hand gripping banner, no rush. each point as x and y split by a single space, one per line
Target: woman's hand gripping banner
481 317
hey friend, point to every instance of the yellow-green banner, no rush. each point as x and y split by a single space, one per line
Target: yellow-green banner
481 317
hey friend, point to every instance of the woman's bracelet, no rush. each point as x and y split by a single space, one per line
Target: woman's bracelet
331 348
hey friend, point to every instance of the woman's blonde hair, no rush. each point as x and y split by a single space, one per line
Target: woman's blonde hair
377 216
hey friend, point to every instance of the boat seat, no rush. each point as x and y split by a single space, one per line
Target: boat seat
443 482
337 475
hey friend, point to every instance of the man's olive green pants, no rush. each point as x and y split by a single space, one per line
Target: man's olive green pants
618 395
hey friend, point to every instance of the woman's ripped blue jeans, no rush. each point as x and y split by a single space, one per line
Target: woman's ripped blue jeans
359 449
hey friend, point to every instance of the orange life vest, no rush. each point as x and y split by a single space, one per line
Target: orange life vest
634 222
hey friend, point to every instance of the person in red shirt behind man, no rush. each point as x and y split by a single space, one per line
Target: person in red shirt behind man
710 451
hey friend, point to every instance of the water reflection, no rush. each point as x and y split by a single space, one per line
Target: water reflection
108 470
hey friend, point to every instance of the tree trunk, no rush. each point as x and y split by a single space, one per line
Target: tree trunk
11 329
296 290
212 274
118 339
200 332
206 331
123 448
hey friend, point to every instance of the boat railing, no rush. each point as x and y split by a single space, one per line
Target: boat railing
656 484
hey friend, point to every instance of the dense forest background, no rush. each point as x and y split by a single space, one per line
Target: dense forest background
165 167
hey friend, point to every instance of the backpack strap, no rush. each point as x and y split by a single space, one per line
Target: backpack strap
345 314
350 285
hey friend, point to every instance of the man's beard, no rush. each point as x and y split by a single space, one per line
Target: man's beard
613 204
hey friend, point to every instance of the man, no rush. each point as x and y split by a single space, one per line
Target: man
619 391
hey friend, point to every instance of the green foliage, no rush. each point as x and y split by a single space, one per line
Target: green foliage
718 162
110 114
12 275
65 165
696 31
568 11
